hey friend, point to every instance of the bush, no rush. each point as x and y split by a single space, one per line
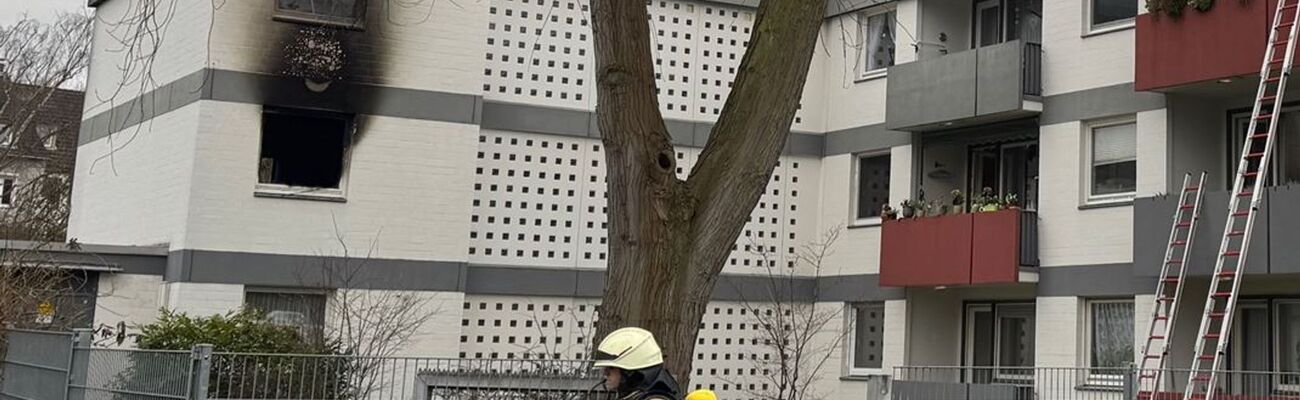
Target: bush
280 371
244 331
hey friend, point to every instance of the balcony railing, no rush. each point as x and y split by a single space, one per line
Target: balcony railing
988 84
1077 383
962 249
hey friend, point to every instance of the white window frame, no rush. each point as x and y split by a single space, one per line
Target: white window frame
1087 198
1089 28
282 191
6 137
863 72
49 136
13 190
315 19
851 311
296 291
1102 380
854 221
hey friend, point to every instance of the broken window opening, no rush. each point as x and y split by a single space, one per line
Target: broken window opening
344 13
303 149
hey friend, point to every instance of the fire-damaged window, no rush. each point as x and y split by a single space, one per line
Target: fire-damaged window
303 153
347 13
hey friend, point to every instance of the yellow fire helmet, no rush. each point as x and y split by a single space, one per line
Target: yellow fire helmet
628 349
702 394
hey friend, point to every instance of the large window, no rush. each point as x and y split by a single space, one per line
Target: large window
1107 14
871 187
1110 336
1009 168
1112 160
1284 166
304 311
347 13
877 40
303 153
868 338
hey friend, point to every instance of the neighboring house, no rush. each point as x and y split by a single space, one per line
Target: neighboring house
38 143
453 144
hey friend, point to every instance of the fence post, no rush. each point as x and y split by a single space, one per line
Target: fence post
1130 382
81 338
200 370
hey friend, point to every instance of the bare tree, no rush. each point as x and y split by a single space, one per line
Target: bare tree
669 237
38 61
368 323
798 337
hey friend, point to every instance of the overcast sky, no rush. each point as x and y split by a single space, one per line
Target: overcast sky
12 10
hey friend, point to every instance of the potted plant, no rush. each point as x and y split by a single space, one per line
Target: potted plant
908 208
887 213
958 202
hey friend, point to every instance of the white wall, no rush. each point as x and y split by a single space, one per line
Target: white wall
851 102
1109 231
1072 61
408 191
202 299
1058 338
181 49
858 249
127 298
133 188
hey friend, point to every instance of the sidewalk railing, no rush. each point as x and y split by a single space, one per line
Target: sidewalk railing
1078 383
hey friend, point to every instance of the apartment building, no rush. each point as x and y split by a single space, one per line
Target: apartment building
452 146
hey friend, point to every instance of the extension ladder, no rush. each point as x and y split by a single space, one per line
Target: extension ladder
1252 176
1170 287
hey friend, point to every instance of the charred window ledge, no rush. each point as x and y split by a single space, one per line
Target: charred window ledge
299 193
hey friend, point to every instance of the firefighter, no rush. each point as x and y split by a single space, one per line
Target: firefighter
634 366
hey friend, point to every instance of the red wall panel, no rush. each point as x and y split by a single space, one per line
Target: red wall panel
1228 40
926 251
995 254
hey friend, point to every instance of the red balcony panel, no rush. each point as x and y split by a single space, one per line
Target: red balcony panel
926 251
1226 41
953 250
995 254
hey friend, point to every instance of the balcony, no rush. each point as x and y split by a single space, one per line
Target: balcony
1275 224
958 250
988 84
1172 52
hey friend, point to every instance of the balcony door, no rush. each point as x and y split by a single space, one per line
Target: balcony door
1006 168
1285 165
999 341
998 21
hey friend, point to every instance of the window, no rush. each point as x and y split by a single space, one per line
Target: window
304 310
1284 167
878 41
303 153
872 187
868 338
49 135
6 136
1112 169
1103 14
347 13
6 191
1110 339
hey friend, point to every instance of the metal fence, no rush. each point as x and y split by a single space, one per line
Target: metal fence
1076 383
63 366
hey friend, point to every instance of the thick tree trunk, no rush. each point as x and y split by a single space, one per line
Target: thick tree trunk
668 238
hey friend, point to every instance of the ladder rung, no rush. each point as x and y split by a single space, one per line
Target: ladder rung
1157 337
1255 155
1227 274
1268 98
1251 173
1187 206
1214 336
1191 188
1273 79
1201 377
1264 116
1222 294
1147 376
1208 357
1241 213
1259 136
1247 193
1172 279
1217 315
1236 233
1232 254
1285 24
1180 243
1165 299
1162 318
1290 6
1182 224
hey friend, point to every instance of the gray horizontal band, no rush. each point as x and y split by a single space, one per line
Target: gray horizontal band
864 138
204 266
1098 103
1093 280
